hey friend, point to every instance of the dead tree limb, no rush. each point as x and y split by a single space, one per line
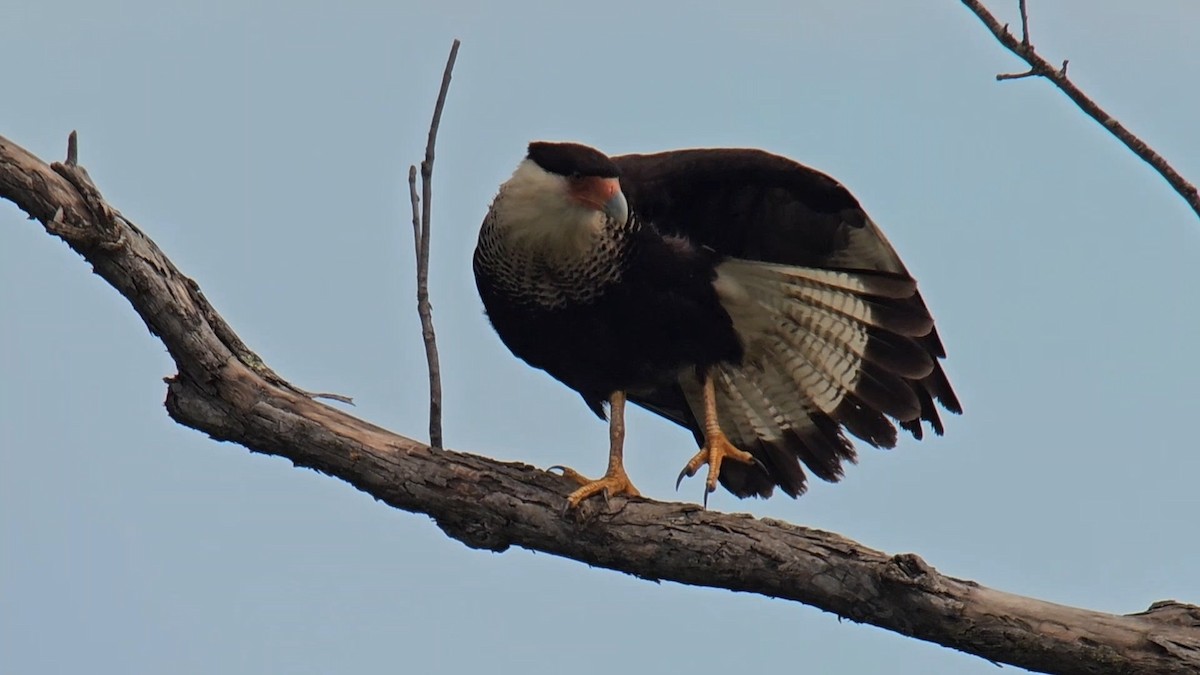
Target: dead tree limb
223 389
1040 67
421 242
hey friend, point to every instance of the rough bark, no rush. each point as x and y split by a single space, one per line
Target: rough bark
224 389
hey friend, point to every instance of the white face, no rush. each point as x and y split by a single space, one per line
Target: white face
541 210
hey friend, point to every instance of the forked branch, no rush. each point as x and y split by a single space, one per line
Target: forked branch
1040 67
421 219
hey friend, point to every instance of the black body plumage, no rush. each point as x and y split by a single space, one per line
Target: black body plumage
739 263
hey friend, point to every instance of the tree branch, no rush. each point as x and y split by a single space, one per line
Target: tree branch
1040 67
224 390
421 240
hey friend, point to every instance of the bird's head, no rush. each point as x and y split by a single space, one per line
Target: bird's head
562 194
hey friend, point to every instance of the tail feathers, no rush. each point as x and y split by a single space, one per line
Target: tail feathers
824 350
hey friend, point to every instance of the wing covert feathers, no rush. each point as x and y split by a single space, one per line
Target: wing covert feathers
826 350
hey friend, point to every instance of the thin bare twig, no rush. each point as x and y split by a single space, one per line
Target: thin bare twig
1016 76
421 239
1040 67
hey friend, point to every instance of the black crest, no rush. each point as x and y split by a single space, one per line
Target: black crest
572 159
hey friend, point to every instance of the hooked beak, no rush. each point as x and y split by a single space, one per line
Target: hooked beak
601 194
617 208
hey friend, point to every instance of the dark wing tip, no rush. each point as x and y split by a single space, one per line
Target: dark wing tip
939 386
572 159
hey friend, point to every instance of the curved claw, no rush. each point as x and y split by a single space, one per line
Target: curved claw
570 474
685 473
759 464
613 483
708 490
715 451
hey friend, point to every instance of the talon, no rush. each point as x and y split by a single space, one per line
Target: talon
683 474
759 464
716 450
612 484
570 474
717 447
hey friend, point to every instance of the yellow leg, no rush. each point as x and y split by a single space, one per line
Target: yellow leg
717 447
615 480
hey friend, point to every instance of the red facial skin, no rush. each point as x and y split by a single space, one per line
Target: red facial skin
592 191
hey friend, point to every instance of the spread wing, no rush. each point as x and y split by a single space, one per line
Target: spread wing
835 332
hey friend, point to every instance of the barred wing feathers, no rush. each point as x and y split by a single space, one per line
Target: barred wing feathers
836 334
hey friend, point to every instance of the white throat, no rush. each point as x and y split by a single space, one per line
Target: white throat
534 213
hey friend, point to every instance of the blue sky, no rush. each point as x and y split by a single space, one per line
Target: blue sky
264 146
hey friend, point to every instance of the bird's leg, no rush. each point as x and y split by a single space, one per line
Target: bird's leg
615 480
717 447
